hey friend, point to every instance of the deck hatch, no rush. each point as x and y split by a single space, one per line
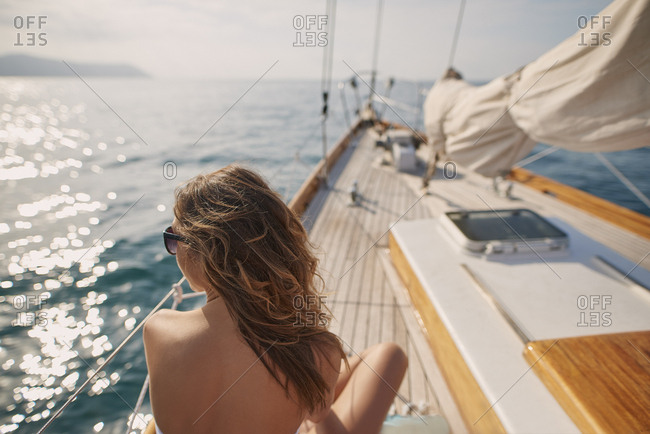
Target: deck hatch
504 231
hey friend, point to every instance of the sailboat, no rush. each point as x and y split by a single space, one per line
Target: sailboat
523 304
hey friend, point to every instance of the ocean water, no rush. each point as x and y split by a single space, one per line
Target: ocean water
87 174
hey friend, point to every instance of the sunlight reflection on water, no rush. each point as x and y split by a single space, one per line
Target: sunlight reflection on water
84 202
53 231
73 282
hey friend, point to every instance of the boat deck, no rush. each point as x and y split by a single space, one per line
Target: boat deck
368 300
366 297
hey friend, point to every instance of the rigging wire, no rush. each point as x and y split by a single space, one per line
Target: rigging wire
326 78
344 103
538 156
626 182
375 54
296 159
328 50
389 86
357 97
617 173
419 105
108 360
178 297
454 43
608 164
435 155
296 152
383 99
138 404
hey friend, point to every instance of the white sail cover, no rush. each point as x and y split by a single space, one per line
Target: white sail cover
591 93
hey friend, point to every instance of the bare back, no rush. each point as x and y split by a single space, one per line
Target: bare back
205 378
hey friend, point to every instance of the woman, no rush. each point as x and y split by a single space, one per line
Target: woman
257 357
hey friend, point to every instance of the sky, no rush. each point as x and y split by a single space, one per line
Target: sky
244 38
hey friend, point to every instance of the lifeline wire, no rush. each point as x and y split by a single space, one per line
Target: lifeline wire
454 43
113 354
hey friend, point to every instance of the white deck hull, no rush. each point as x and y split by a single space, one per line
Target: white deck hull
369 305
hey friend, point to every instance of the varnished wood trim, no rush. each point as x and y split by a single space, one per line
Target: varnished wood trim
616 214
602 382
310 187
468 395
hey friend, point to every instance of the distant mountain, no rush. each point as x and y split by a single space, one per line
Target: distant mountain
23 65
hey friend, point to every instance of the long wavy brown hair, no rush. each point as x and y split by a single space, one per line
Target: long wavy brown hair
254 252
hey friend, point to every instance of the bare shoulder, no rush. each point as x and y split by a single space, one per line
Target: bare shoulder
162 330
162 322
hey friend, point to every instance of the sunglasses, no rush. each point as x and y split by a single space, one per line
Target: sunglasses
171 240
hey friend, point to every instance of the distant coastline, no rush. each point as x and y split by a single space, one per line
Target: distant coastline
31 66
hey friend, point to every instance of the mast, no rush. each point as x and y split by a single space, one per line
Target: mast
375 55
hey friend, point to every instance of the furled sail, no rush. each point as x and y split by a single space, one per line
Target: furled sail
590 93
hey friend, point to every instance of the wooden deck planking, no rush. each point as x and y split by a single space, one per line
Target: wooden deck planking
384 315
363 287
360 268
326 237
340 261
376 314
400 205
370 313
358 307
348 237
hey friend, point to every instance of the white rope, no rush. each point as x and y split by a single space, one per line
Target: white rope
642 197
178 295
